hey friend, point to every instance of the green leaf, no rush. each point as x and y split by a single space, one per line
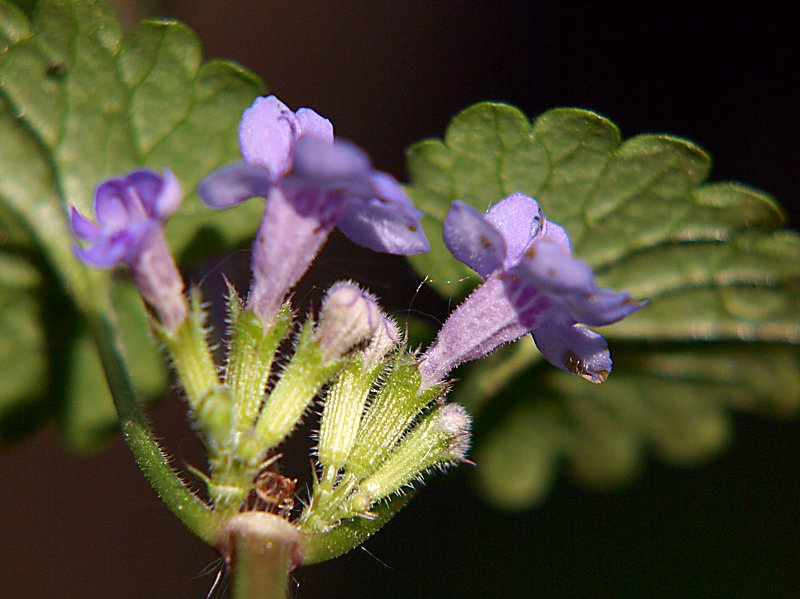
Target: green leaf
87 417
721 277
22 349
80 103
673 401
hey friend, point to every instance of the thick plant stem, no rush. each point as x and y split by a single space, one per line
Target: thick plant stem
189 509
262 549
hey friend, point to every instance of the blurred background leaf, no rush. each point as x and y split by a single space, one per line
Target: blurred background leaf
721 330
80 103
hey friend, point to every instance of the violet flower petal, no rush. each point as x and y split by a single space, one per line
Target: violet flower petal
603 306
233 184
548 268
313 124
169 195
370 208
526 261
115 207
573 348
327 166
383 227
312 183
473 240
518 219
106 252
146 187
127 209
386 187
555 234
83 227
130 213
286 244
266 134
498 312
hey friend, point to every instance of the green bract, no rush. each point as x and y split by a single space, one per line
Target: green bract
80 103
723 323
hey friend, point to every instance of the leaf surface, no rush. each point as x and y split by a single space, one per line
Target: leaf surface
722 278
80 103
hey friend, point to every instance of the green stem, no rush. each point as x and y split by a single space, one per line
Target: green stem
263 550
189 509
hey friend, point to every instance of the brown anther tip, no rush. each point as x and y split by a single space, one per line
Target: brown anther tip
632 302
601 376
574 364
577 366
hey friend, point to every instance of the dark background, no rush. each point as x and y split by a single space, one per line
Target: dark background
389 73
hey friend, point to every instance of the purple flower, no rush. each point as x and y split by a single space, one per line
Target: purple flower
532 284
312 184
128 210
130 214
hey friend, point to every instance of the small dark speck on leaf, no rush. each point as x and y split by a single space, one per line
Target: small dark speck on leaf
56 69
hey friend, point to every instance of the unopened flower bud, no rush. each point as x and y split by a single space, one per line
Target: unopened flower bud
455 422
384 339
349 316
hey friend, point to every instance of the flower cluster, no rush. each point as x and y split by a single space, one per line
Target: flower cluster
384 421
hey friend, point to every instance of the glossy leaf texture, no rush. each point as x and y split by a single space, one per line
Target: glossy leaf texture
721 331
79 103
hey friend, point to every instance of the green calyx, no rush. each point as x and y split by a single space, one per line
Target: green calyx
300 382
344 405
250 356
390 413
379 435
432 443
210 403
226 410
